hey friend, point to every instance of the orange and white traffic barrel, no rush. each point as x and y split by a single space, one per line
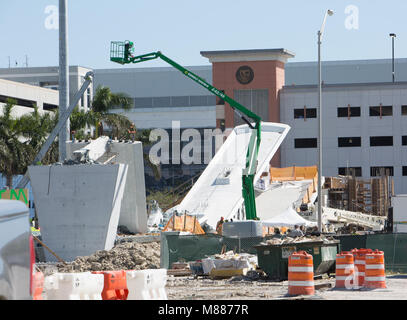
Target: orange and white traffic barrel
359 256
375 276
344 273
300 274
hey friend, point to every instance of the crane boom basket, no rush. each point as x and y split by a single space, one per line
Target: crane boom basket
120 51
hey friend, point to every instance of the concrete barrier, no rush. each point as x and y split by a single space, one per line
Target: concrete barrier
147 284
74 286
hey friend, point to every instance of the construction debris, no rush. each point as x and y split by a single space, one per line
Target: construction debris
124 256
179 272
369 196
184 223
230 261
279 241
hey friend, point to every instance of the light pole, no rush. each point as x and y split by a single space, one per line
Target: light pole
63 83
392 35
320 34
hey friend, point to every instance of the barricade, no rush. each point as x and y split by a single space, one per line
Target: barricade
147 284
359 256
344 274
300 274
375 276
37 285
115 285
74 286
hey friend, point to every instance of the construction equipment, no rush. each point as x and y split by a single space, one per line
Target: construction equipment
122 52
376 223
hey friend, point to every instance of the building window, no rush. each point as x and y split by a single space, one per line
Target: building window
305 143
18 102
350 171
305 113
380 111
404 110
379 171
48 106
88 96
404 171
255 100
404 140
350 142
348 112
383 141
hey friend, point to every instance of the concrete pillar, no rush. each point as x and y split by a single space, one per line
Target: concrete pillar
133 214
78 206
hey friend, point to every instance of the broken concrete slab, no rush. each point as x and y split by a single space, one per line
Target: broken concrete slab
133 214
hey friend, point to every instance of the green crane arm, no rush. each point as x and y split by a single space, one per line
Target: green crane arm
121 52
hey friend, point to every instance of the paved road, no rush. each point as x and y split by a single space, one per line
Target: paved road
396 290
187 288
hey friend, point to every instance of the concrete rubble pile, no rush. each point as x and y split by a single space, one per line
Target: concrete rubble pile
285 240
229 260
124 256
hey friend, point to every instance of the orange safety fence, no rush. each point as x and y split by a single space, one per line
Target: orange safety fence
184 223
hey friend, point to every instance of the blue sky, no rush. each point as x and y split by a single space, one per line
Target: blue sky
183 28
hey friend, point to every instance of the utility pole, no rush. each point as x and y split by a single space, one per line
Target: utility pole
320 34
393 35
63 76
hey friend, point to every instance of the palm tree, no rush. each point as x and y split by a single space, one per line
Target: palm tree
36 127
15 154
79 120
103 103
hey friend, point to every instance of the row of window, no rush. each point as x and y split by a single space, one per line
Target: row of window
349 112
343 142
174 101
374 171
27 103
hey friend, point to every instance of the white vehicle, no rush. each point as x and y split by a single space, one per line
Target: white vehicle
17 255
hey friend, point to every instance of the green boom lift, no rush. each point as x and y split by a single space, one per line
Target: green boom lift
123 52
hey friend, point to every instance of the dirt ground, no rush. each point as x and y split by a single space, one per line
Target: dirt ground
146 255
188 288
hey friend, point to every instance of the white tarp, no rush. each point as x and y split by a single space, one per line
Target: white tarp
288 218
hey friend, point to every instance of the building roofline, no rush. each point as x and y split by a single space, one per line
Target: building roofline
342 85
150 69
2 70
345 62
22 84
247 51
279 54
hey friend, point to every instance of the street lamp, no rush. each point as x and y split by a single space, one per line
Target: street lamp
393 35
320 33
